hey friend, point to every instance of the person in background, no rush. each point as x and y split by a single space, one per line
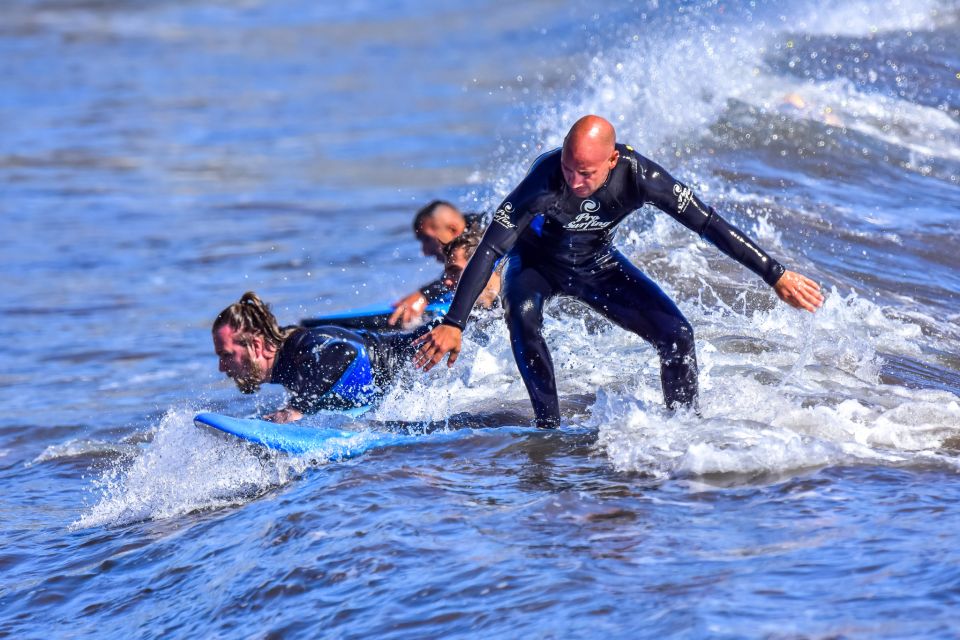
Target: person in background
434 226
458 253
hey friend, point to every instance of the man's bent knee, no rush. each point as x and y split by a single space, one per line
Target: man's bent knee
678 343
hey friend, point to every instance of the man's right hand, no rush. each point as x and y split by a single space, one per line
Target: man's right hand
799 291
408 309
433 346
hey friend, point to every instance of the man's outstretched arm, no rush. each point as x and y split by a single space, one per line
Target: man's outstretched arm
408 309
676 199
412 306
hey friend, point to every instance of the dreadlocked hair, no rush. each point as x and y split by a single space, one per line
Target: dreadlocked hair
252 316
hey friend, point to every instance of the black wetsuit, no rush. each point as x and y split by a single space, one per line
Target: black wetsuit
436 291
329 367
559 243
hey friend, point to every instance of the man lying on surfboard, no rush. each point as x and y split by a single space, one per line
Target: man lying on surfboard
323 367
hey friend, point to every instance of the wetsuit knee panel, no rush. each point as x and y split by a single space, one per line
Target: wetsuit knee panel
676 340
524 316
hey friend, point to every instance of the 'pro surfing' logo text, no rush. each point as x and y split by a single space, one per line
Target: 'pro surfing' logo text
586 221
503 216
684 196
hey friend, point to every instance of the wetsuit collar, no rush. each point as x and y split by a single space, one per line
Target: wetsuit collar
277 371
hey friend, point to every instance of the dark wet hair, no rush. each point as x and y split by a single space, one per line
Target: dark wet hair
426 212
251 316
469 240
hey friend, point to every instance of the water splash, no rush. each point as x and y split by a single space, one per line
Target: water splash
181 470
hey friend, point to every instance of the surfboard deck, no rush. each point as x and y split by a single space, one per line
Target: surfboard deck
374 316
293 438
333 444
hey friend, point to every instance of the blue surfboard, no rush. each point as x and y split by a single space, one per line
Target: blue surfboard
373 316
294 438
331 444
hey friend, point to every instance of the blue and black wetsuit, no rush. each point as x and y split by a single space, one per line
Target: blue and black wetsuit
558 243
329 367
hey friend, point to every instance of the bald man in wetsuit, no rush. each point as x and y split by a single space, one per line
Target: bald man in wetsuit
557 229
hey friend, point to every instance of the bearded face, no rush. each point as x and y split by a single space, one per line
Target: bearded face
249 377
238 359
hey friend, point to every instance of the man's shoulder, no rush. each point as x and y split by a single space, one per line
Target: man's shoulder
288 355
644 170
631 158
543 177
546 162
294 340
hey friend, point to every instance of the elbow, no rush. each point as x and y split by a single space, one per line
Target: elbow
707 223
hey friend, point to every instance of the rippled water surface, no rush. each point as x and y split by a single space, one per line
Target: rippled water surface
159 159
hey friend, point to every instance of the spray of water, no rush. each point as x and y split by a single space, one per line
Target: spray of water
781 391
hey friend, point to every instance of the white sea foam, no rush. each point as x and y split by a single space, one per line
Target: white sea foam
483 378
862 18
182 469
810 397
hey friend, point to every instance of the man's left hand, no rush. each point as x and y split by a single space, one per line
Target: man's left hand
433 346
799 291
284 415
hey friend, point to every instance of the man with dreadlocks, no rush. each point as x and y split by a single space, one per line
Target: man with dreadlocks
321 367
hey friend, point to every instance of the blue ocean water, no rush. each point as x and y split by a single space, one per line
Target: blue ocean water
159 159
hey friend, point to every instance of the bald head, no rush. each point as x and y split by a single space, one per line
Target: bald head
589 154
591 132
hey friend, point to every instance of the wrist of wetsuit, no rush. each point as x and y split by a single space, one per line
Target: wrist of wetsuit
776 272
452 323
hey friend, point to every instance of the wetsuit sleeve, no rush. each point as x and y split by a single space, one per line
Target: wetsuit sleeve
676 199
508 222
318 367
436 291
